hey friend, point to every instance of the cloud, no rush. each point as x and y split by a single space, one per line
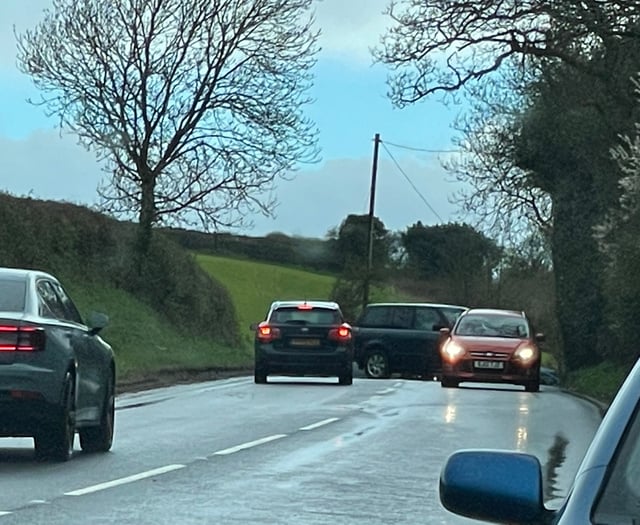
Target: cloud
350 28
319 199
44 165
23 14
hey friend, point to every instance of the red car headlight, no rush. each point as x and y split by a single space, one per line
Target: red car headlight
526 354
452 351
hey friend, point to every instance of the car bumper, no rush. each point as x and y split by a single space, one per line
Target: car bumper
288 361
29 398
511 373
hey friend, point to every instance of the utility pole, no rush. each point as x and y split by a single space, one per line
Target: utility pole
372 201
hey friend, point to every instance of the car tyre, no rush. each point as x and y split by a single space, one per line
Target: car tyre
57 443
376 365
532 386
259 377
447 382
100 438
346 379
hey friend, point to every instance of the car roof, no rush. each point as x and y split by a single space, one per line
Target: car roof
495 311
313 303
20 274
437 305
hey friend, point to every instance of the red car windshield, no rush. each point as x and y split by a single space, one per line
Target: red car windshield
488 325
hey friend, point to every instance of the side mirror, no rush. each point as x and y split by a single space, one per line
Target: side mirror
96 322
253 327
495 486
540 337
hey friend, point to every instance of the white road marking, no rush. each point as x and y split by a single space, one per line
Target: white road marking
237 448
4 513
123 481
320 423
397 385
386 391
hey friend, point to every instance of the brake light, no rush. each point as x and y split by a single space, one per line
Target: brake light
21 338
305 306
267 333
342 334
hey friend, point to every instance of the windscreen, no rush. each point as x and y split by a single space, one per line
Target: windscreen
487 325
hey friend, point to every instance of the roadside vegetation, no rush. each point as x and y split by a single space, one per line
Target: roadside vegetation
190 314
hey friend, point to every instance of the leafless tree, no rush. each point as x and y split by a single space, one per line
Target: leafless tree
440 46
196 106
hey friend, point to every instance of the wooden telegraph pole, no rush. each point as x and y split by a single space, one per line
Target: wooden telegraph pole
372 201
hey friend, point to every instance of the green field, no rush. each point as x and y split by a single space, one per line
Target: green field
254 285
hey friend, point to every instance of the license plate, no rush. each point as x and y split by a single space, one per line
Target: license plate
493 365
305 342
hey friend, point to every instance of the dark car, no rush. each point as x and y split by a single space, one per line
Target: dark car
401 338
304 338
491 346
506 487
57 376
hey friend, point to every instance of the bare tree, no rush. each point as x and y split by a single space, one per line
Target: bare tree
196 106
440 46
505 200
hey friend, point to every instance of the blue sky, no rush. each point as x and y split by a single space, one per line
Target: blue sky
350 108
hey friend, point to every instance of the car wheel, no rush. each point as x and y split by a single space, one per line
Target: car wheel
346 379
532 386
57 443
259 378
447 382
100 438
376 365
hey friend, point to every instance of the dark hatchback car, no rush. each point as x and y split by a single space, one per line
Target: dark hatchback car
401 338
491 346
300 338
57 376
506 487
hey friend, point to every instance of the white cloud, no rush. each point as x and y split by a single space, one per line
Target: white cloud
46 166
350 27
321 198
22 14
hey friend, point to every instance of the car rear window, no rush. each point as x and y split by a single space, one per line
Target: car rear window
12 295
307 316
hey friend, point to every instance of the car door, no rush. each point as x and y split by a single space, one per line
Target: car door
93 361
421 338
72 334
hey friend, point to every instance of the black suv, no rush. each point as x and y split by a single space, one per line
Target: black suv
402 338
304 338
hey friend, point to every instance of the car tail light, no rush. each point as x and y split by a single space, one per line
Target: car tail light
305 306
341 334
14 338
267 333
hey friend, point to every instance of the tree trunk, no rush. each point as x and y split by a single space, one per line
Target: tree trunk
147 215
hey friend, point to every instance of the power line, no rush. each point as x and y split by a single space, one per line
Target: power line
410 182
424 150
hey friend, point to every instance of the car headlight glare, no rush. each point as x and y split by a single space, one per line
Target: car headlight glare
526 354
452 351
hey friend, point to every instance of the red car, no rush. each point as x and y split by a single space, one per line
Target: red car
491 346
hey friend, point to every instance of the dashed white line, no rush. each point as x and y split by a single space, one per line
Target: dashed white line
320 423
386 391
123 481
249 444
4 513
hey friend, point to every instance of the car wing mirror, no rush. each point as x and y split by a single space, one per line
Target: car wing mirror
96 321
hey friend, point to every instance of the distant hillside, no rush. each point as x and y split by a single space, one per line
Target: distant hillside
92 253
303 252
254 285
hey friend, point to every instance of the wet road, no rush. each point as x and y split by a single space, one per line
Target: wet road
291 452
